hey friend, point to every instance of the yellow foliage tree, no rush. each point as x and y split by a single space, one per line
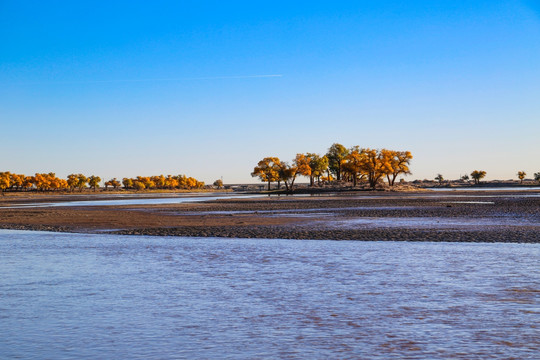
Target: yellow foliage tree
477 175
182 181
94 181
399 162
41 181
377 164
171 182
73 181
191 183
28 182
301 162
218 183
159 181
318 165
49 182
113 182
16 181
127 182
287 173
81 181
139 185
267 170
336 158
353 164
5 181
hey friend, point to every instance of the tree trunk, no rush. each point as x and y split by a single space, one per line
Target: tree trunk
372 181
291 184
269 185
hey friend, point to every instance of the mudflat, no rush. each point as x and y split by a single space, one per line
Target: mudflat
453 216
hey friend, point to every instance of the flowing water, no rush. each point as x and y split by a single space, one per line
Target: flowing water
138 199
432 222
72 296
171 198
487 188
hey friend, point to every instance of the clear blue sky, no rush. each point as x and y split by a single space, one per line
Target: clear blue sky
147 88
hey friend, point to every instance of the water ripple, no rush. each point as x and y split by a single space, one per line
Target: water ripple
67 296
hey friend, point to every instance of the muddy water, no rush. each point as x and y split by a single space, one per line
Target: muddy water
65 296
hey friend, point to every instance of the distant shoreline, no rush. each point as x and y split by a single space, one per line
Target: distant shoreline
260 188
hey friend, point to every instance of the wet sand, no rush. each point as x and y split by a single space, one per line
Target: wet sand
425 216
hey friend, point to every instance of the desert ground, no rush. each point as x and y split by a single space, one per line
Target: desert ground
452 216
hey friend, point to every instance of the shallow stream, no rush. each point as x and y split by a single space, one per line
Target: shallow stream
67 296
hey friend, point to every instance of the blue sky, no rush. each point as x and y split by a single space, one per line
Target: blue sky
143 88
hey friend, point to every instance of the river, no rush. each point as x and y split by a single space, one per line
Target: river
172 198
137 199
96 296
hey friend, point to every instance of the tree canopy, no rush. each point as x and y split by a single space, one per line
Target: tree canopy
336 157
50 182
267 170
353 164
478 175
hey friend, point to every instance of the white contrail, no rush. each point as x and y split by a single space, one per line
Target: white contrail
235 77
164 79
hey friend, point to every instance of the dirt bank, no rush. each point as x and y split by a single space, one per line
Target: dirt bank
442 216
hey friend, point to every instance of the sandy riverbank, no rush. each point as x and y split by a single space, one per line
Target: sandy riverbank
442 216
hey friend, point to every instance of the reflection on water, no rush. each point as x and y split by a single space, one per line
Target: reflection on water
134 200
429 222
501 188
470 202
100 296
172 198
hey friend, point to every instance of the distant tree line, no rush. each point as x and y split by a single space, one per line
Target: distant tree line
50 182
478 175
340 164
162 182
